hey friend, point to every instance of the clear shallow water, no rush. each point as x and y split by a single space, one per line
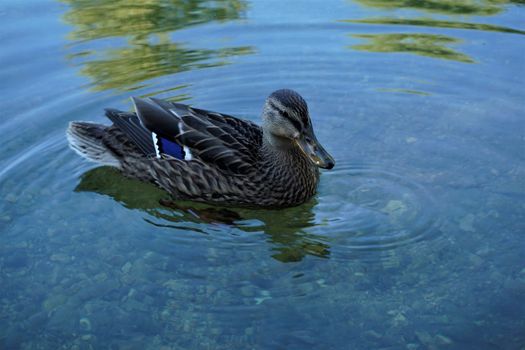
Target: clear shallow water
415 239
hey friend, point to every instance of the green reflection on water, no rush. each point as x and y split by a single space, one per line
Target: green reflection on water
105 18
428 22
405 91
125 68
148 51
445 7
430 45
285 228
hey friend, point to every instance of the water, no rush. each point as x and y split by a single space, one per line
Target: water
415 239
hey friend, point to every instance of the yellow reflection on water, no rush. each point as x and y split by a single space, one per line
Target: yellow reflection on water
146 51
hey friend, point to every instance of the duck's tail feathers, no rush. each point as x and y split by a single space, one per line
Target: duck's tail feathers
87 139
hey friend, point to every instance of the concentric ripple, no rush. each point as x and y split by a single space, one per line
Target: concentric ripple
365 208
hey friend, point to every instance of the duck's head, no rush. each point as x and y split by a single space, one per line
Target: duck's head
287 124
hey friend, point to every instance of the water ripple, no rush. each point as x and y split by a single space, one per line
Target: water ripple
366 208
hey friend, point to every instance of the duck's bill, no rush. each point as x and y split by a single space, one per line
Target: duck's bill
317 154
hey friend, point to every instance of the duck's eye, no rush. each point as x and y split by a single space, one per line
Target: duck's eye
294 122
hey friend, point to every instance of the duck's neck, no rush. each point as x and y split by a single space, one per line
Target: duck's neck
286 161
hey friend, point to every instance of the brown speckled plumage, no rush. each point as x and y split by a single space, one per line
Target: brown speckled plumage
233 161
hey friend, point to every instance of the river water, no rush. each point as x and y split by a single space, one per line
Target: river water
415 239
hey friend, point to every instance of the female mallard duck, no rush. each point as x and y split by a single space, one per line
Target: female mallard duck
212 157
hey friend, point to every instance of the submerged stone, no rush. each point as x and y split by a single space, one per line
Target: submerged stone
467 223
172 284
443 340
394 209
59 257
11 198
54 301
126 268
85 324
248 291
425 338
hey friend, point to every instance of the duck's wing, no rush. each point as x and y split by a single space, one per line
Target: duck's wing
131 126
185 133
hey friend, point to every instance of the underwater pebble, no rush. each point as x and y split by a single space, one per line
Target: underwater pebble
134 305
126 268
85 324
424 337
148 254
86 337
6 218
467 223
213 253
36 321
132 293
483 251
51 232
394 208
128 279
96 290
398 318
210 290
101 277
11 198
265 295
171 284
148 300
373 334
475 260
165 314
443 340
54 301
23 244
62 318
247 291
59 257
515 286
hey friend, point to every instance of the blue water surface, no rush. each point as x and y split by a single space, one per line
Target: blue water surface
415 239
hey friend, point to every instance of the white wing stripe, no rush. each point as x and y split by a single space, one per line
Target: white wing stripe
155 141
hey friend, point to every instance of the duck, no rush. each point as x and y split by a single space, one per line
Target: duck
204 156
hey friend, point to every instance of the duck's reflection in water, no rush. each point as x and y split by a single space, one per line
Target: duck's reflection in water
285 227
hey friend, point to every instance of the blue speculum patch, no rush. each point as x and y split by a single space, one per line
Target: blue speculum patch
171 148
